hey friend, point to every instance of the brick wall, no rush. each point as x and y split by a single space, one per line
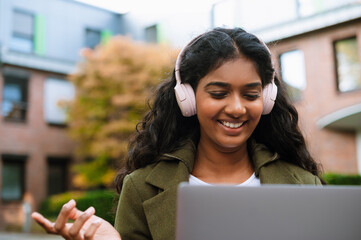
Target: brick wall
336 150
37 140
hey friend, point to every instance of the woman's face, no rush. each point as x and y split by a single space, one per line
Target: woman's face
229 104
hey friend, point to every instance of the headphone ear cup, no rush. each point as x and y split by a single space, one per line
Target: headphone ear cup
186 99
269 97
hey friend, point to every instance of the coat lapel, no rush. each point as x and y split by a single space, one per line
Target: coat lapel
276 173
160 210
261 156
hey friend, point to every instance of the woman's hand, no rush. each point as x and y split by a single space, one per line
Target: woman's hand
86 225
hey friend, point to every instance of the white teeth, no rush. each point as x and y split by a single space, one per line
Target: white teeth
232 125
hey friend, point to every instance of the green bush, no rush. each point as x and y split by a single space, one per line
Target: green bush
342 179
104 202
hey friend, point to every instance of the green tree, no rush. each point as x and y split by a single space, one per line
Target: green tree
113 84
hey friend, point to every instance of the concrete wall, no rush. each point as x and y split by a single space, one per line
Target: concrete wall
65 24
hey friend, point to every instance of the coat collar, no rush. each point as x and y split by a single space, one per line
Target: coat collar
261 156
185 154
163 178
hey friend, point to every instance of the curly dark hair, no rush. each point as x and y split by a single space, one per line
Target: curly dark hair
164 128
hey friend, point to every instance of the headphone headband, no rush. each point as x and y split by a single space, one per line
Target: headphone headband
177 65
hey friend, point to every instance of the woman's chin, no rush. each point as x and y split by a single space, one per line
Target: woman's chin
230 147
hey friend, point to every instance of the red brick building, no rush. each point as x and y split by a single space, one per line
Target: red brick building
35 153
323 53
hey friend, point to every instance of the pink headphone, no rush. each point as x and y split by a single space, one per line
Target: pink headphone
186 98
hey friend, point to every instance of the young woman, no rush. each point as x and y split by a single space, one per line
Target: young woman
223 117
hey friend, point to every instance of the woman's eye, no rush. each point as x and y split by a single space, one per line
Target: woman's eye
253 96
218 94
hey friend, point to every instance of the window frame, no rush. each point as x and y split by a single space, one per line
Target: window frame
17 159
301 96
56 160
154 28
22 79
47 116
337 80
16 34
93 29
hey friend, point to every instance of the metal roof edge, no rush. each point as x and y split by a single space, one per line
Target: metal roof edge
37 62
311 23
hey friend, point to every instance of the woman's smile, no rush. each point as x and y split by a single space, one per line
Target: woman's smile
232 128
231 124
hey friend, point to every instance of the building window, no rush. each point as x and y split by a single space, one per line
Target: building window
293 73
92 38
12 177
15 95
57 95
156 34
57 175
348 66
151 34
23 32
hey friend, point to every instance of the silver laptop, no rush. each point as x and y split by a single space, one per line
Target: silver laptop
270 212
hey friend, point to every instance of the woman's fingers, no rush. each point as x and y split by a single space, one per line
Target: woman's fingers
75 213
63 217
84 227
89 234
45 223
79 223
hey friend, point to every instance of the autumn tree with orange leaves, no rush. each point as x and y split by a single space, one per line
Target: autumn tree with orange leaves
113 84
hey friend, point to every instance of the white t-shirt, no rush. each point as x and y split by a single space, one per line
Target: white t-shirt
252 181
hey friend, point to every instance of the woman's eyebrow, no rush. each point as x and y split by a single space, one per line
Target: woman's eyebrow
224 84
218 84
253 85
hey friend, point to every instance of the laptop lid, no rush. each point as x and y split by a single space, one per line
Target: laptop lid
272 212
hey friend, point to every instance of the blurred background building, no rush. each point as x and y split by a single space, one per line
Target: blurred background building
316 46
39 45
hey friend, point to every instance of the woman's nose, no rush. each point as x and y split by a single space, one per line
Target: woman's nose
235 107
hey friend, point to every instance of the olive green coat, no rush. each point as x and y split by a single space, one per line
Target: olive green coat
147 204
